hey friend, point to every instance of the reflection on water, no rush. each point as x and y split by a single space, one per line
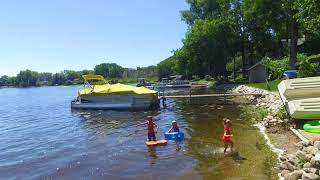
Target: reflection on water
42 138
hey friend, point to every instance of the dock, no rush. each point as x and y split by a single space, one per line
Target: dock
212 95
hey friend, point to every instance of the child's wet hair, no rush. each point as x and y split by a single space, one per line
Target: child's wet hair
150 117
226 121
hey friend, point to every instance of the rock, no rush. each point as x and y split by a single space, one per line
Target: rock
314 151
283 158
273 120
301 155
269 117
307 165
316 144
299 145
308 149
284 172
294 175
283 166
310 176
286 166
308 157
311 170
315 161
293 160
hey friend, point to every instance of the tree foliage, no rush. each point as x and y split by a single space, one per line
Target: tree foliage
109 70
222 30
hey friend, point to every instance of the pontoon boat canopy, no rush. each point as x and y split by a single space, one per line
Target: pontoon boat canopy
92 77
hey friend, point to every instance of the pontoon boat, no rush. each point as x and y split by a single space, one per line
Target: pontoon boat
114 96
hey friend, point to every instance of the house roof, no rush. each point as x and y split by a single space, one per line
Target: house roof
255 65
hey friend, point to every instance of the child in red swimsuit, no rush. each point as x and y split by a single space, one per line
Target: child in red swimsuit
227 134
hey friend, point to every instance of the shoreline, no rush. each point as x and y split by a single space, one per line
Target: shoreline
297 159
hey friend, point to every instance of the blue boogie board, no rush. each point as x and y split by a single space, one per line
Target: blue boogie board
175 136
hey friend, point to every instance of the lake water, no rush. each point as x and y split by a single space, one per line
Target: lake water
42 138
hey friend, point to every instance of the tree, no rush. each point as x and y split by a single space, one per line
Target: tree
58 79
27 78
166 68
4 80
71 75
307 14
86 71
45 78
109 70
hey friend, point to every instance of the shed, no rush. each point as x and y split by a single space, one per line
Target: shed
257 73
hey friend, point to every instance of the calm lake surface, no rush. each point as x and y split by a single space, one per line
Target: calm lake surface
42 138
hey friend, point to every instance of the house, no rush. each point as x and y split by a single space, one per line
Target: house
257 73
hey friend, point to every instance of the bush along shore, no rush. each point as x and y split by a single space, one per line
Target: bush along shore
297 159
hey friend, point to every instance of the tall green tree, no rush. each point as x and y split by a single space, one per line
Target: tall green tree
166 68
27 78
109 70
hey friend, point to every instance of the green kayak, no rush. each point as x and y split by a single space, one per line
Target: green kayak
312 126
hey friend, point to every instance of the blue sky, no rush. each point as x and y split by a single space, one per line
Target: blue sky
50 36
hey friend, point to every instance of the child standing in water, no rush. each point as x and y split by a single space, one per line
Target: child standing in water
152 129
174 127
227 134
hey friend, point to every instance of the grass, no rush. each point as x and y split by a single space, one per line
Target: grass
253 114
270 86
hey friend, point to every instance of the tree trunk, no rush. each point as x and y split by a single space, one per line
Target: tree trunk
243 56
293 44
234 67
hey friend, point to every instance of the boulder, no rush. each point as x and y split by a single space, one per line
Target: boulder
307 165
316 144
310 176
315 161
283 158
293 160
308 157
286 166
314 151
301 155
269 117
299 145
294 175
284 172
273 120
311 170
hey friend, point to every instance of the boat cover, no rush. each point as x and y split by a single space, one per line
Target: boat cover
112 89
92 77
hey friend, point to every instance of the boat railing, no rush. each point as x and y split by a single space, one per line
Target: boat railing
87 85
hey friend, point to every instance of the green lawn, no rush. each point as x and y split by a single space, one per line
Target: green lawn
273 85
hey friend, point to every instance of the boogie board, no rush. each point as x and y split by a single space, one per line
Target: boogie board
154 143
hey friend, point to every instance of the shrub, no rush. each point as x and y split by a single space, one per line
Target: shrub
307 69
207 77
276 67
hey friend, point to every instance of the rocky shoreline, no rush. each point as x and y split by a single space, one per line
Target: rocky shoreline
303 160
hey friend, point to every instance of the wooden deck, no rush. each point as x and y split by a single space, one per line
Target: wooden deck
212 95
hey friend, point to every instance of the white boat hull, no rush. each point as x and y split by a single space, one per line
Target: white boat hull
304 108
300 88
116 102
